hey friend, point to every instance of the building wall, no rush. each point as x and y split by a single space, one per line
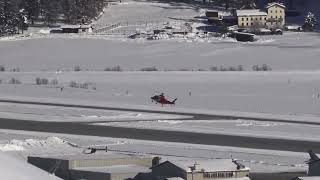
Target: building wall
276 13
60 167
122 176
249 21
110 162
77 174
217 175
243 173
314 169
167 170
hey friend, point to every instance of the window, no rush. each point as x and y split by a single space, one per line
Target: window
252 19
260 18
265 18
251 24
214 175
256 19
270 11
247 24
276 11
242 24
247 19
242 19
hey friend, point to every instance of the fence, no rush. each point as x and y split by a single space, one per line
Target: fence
127 28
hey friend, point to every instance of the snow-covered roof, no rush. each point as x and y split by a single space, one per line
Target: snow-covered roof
175 178
275 4
225 13
264 30
309 178
215 165
251 12
131 168
75 27
13 167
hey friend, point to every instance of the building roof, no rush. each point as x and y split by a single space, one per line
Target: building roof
309 178
175 178
275 4
251 12
131 168
215 165
76 27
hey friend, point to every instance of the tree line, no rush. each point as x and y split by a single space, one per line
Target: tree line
16 15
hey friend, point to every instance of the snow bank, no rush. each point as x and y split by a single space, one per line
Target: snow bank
10 147
21 145
44 31
12 168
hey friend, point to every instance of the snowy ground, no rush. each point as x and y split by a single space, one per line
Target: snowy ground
21 144
59 114
144 11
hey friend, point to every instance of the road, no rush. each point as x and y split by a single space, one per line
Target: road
80 128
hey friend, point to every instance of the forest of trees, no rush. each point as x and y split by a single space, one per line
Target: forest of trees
16 15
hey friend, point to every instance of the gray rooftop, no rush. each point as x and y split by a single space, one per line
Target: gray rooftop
251 12
116 169
214 165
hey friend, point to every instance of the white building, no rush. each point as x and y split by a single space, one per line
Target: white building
308 178
200 170
273 17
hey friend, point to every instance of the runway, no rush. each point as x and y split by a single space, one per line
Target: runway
160 135
83 128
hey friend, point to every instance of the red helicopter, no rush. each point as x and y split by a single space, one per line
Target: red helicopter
161 99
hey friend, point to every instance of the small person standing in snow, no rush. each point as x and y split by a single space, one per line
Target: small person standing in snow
189 93
61 89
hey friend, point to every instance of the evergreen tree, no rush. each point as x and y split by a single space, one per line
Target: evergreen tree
50 10
310 22
9 20
16 14
32 8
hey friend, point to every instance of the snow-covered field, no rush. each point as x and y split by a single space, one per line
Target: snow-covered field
59 114
286 93
290 91
42 52
292 51
144 11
